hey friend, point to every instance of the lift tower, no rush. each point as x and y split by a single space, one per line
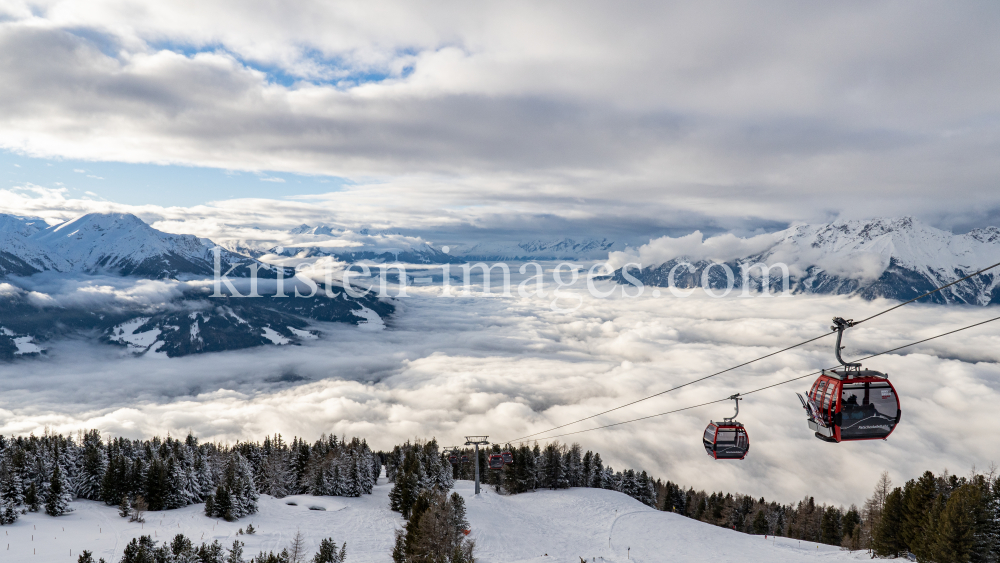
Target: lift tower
477 441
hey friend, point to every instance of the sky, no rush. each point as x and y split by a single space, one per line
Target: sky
637 121
515 120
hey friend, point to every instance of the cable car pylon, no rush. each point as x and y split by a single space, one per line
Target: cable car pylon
850 403
727 439
477 441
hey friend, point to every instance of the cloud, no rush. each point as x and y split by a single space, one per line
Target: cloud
782 113
448 367
696 247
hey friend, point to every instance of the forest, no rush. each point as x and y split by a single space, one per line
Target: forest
47 472
941 518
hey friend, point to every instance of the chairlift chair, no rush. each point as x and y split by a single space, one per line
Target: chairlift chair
851 404
727 439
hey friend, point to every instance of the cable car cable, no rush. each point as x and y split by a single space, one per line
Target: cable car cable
773 384
853 323
692 382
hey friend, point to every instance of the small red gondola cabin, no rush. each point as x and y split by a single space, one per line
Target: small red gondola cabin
850 404
496 461
508 458
727 439
453 458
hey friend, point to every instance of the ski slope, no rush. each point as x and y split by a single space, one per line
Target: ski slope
545 526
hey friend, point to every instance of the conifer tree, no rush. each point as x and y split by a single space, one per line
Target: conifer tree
597 473
328 552
31 498
95 463
57 498
888 541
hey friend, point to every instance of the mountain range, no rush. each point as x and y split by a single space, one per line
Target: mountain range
897 258
111 258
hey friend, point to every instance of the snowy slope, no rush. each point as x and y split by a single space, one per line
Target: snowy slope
546 526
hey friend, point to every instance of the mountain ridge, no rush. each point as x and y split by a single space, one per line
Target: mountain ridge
897 258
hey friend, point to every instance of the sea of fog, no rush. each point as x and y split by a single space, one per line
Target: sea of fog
450 366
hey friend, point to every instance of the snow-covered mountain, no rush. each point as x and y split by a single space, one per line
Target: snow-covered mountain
556 249
18 254
370 245
186 320
123 244
894 258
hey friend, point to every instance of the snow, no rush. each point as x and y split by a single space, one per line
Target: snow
137 342
99 241
26 346
274 337
195 329
557 249
303 334
372 320
545 526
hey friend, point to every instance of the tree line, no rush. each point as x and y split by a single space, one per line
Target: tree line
47 472
940 518
181 549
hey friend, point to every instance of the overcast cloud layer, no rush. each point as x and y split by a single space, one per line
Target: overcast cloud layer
450 367
644 113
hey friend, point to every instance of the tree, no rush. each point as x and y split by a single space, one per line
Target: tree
31 498
139 508
57 498
235 553
888 540
918 499
830 531
851 528
760 523
459 519
297 549
95 464
328 552
956 526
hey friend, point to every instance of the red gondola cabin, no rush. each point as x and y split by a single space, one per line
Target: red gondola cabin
496 461
846 405
850 404
726 440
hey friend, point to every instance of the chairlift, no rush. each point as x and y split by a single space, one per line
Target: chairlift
496 461
727 439
851 404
